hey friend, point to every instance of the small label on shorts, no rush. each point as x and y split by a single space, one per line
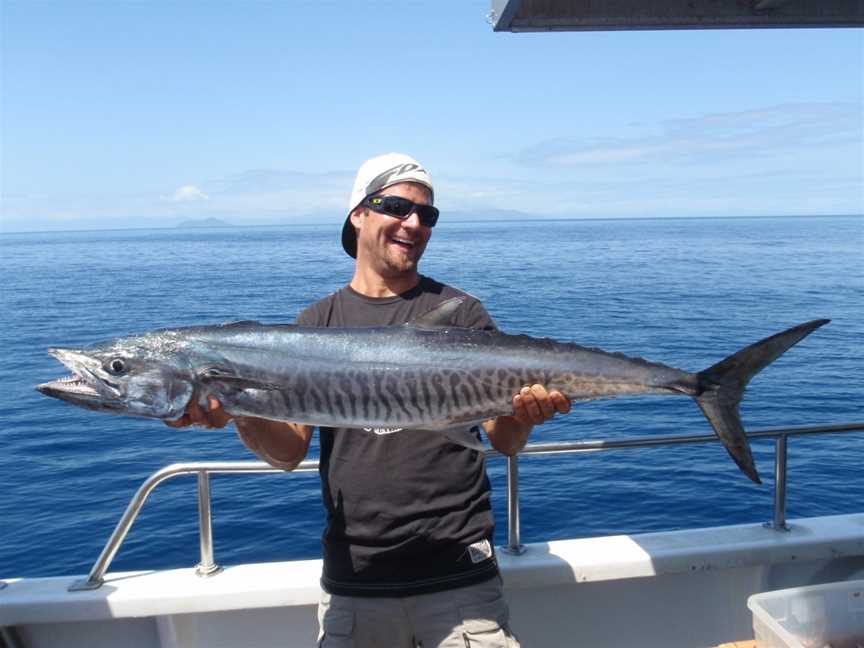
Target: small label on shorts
480 551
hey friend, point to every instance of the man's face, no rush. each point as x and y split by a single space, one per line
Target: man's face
389 245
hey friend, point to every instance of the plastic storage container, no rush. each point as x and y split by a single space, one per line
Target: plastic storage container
819 616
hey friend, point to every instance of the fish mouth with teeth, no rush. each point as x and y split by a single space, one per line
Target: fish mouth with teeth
87 386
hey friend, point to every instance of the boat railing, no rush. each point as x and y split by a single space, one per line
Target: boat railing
208 566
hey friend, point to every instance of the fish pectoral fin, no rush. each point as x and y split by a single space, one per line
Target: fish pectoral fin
440 316
228 377
464 436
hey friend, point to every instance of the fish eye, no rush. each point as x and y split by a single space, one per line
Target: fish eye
117 365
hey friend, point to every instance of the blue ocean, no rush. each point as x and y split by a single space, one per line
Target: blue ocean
686 292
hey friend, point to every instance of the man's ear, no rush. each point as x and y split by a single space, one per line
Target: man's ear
357 217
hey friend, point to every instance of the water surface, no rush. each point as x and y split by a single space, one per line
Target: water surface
686 292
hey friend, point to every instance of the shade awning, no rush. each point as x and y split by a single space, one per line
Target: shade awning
599 15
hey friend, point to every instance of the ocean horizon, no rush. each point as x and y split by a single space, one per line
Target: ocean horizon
195 223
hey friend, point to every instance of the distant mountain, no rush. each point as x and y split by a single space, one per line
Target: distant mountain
204 223
488 214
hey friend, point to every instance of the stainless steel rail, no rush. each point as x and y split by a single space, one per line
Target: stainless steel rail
208 567
96 577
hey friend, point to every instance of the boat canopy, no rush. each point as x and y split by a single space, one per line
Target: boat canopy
603 15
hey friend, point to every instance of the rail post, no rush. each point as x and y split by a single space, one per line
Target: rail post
779 522
207 566
780 484
514 545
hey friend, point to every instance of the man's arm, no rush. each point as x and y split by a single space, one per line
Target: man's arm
282 445
532 406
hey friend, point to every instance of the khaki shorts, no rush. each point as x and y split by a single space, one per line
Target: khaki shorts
469 617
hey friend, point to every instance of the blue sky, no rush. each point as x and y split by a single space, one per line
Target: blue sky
122 114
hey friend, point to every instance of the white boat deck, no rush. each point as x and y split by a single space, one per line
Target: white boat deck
683 588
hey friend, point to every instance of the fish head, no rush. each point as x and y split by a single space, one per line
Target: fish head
142 376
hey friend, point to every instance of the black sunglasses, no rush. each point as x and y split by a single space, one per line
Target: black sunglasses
402 208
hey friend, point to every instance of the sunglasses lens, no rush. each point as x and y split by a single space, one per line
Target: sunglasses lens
428 215
402 208
397 206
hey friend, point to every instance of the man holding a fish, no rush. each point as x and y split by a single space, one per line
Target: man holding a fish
408 548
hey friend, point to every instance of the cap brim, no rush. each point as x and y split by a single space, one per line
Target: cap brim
349 238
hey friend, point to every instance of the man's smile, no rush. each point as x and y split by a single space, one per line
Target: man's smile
403 242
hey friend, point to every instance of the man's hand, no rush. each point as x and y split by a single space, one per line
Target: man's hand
214 416
532 406
535 405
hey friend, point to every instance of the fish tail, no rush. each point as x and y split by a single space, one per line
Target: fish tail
722 385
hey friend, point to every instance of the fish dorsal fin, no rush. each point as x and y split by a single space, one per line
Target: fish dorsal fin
440 316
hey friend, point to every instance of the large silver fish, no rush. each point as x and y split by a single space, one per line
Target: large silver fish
423 375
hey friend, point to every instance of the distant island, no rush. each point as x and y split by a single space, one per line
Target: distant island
204 223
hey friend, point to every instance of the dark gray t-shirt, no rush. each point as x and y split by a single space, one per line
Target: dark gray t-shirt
408 512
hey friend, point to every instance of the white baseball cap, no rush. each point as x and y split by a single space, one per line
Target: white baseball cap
376 174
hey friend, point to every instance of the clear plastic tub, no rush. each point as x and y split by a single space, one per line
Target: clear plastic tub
818 616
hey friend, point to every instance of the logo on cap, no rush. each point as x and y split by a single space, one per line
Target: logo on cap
386 178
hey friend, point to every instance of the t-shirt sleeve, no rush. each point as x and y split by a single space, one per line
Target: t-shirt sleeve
474 315
314 315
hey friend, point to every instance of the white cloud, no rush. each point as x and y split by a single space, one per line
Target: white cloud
188 193
782 131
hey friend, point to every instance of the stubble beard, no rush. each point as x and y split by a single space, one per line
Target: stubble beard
396 264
